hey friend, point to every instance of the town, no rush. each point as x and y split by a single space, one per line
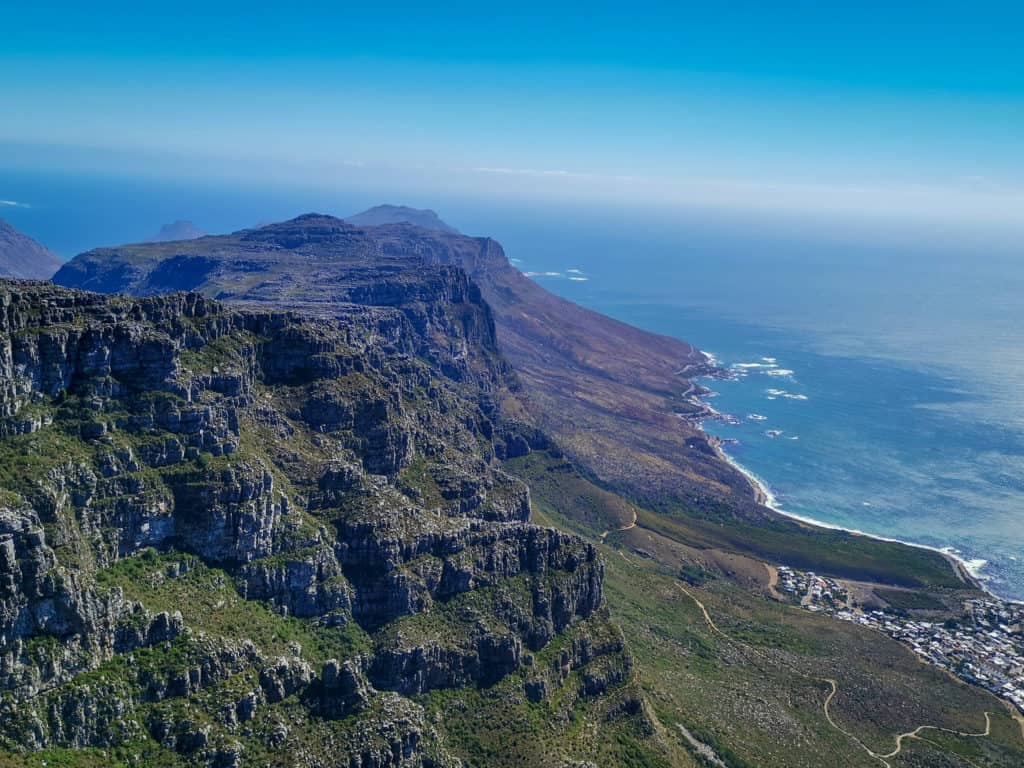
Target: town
983 646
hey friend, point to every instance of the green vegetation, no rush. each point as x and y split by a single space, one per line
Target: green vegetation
910 600
822 550
498 727
209 602
142 753
228 350
836 553
593 509
364 491
417 478
695 575
761 694
26 458
756 694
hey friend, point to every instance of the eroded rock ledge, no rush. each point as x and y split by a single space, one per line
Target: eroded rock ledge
224 533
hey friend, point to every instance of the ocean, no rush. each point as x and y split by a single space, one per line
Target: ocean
875 377
877 365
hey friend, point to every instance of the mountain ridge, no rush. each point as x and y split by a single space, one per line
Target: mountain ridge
235 519
614 398
338 498
23 257
177 231
549 339
379 215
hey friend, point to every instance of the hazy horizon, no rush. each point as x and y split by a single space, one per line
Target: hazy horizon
867 111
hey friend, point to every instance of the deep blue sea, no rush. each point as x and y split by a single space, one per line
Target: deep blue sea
878 364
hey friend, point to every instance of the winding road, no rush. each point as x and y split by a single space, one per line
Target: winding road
914 734
900 738
629 527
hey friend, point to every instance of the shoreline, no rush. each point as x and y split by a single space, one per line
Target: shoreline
764 496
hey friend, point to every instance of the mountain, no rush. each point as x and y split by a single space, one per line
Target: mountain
613 397
23 257
373 498
400 214
607 391
266 539
177 230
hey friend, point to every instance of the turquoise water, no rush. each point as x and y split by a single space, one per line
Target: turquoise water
893 354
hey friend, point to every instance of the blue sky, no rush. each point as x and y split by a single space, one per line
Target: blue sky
880 107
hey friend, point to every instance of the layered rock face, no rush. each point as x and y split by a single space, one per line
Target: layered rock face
611 394
246 537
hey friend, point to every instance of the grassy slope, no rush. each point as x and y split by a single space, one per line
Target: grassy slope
825 551
497 728
758 697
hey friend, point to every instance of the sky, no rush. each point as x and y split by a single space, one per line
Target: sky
880 108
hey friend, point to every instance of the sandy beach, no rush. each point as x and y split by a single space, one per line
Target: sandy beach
765 497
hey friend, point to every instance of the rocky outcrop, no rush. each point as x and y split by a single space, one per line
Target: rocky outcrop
53 622
339 476
609 393
341 690
304 583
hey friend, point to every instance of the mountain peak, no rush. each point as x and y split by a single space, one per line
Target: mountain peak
23 257
380 215
307 229
177 230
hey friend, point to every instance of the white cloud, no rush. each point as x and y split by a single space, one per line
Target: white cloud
14 204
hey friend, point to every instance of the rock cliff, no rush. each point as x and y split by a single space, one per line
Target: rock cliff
250 537
609 393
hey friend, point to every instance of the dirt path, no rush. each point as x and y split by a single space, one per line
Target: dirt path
900 738
773 582
914 734
846 733
629 527
707 616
